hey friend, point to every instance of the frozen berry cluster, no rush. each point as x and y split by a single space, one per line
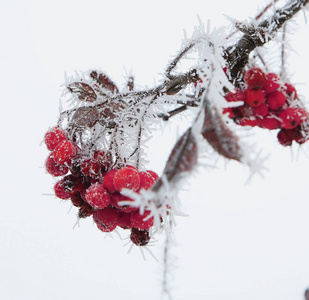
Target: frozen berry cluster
94 186
269 103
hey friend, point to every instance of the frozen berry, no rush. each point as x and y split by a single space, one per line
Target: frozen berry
291 91
60 191
106 219
146 180
64 152
287 136
292 117
139 237
104 159
127 177
109 180
124 219
261 111
97 196
270 122
143 221
276 100
272 83
54 136
118 200
90 167
239 95
54 168
254 97
255 78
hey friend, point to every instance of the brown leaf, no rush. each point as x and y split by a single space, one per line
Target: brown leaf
83 91
104 81
86 116
219 135
182 158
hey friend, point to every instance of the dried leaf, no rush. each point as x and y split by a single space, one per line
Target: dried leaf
182 158
83 91
219 135
104 81
86 116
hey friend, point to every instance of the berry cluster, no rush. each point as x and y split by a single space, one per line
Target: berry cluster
94 186
269 103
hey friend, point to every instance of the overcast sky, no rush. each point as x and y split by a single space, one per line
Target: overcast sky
238 242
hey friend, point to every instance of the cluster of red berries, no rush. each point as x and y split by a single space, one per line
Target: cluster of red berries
94 186
269 103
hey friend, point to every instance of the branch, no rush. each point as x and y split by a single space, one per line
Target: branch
237 55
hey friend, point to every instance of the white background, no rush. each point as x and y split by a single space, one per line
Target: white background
239 242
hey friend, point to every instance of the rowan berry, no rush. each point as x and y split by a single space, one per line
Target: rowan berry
127 177
270 122
124 219
106 219
292 117
54 168
272 83
143 221
139 237
254 97
64 152
109 180
255 78
97 196
276 100
54 136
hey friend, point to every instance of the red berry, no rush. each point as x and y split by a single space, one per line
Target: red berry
117 198
291 91
64 152
139 237
98 196
106 219
90 167
54 168
104 159
127 177
146 180
276 100
254 97
138 221
292 117
270 123
261 111
109 180
60 191
124 219
287 136
255 78
272 83
239 95
153 174
54 136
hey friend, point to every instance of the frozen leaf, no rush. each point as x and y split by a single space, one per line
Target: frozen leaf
86 116
83 91
104 81
219 135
